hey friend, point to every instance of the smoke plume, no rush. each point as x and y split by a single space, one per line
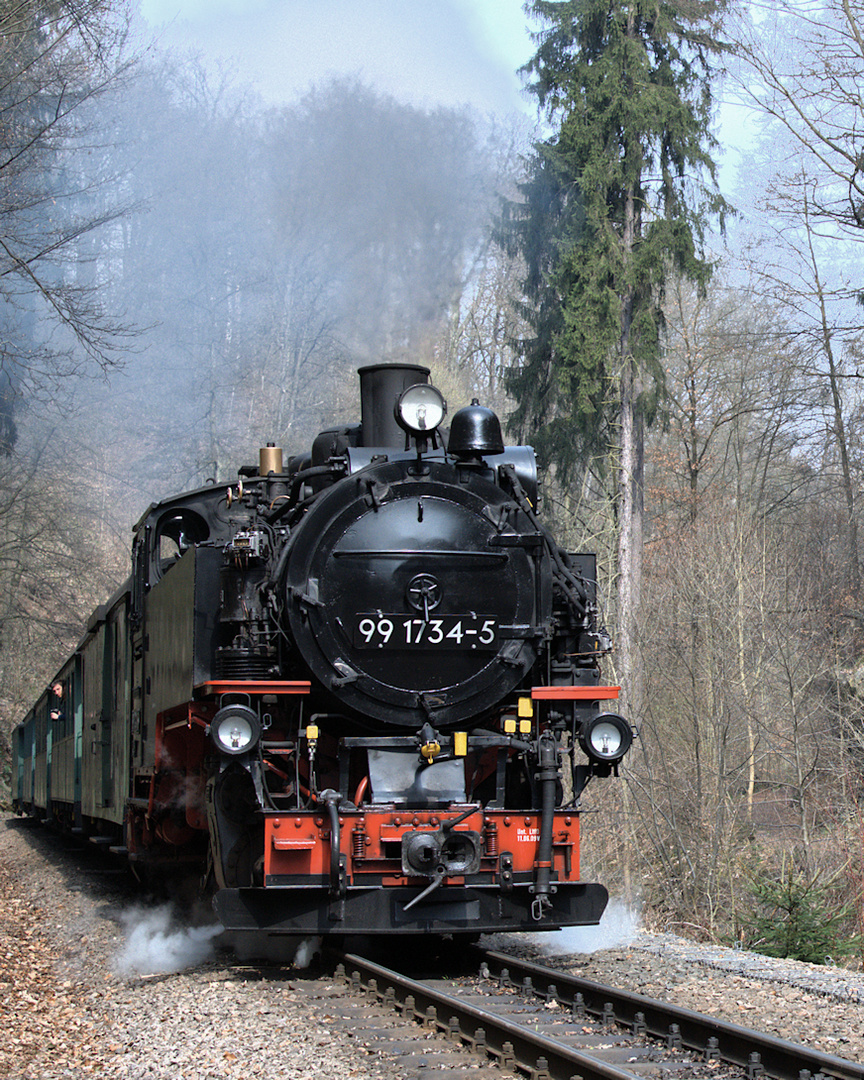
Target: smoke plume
156 944
618 928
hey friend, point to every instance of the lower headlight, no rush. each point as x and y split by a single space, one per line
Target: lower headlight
606 737
235 729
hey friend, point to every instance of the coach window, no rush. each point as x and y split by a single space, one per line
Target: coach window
57 704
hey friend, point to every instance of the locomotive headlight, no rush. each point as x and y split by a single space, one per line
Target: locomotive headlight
235 729
606 737
420 409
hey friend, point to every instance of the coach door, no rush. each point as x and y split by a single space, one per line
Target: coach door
104 776
115 714
77 702
109 656
91 756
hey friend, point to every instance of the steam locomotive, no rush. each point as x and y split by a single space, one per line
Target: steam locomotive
359 694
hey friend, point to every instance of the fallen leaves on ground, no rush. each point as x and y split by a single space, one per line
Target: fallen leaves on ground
45 1024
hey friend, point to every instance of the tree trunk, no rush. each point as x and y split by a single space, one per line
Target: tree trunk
630 518
630 478
826 335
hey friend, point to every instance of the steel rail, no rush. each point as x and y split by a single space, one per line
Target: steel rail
509 1043
758 1053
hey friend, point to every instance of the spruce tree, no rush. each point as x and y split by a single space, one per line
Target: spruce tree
617 199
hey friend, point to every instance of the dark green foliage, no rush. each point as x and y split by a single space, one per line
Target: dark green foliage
613 204
797 916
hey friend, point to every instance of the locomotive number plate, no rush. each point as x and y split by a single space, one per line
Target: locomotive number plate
386 630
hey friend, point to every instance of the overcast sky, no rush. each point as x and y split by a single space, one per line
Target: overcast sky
428 52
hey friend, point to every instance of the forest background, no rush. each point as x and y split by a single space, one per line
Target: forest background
187 273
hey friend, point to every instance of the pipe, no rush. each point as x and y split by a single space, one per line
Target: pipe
331 799
297 482
570 583
547 775
362 788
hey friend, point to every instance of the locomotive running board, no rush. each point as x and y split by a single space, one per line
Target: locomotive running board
253 686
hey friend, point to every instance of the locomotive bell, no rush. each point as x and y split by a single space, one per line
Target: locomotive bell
475 431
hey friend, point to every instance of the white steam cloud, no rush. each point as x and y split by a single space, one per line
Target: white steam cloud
275 949
156 945
618 927
306 951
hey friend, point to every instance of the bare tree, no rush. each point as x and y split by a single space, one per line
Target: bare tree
808 60
57 57
798 274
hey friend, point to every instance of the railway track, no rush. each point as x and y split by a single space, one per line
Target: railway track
534 1020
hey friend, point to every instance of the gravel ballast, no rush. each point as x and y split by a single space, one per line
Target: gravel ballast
81 994
819 1006
71 1007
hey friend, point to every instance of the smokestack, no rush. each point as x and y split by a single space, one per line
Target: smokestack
380 387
